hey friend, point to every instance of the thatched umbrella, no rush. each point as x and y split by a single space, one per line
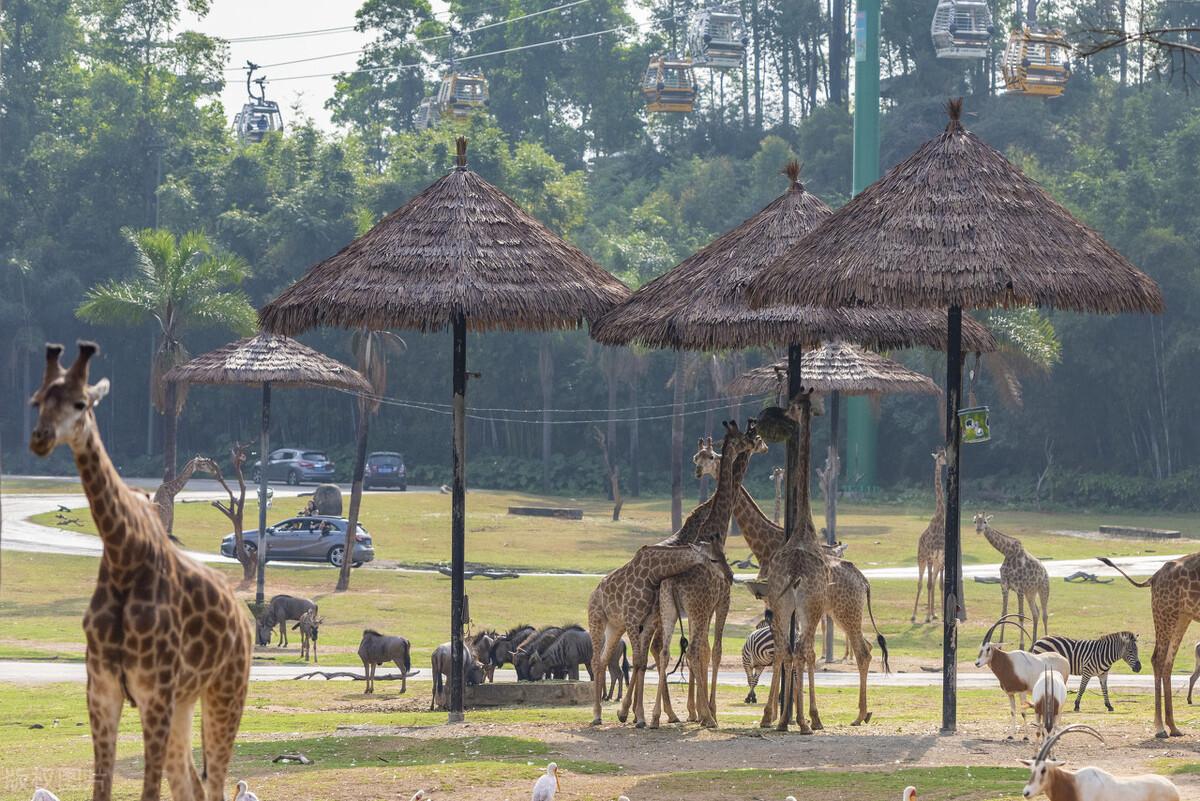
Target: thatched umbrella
955 226
461 254
269 360
701 304
836 369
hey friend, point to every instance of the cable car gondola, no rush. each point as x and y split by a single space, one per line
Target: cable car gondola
1037 61
669 85
258 116
961 29
717 38
461 93
427 114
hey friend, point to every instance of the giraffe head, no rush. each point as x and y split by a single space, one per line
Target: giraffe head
737 441
939 457
707 460
65 401
981 522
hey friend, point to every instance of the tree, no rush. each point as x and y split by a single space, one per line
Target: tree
182 283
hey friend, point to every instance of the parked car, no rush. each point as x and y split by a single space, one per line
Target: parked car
296 466
314 538
385 469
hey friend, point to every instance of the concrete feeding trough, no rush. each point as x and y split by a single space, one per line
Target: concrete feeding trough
1139 533
563 513
529 693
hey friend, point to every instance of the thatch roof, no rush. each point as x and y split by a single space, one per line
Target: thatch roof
838 367
700 304
956 224
459 247
268 357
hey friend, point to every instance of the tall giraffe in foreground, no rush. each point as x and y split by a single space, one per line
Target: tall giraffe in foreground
164 496
1175 603
1020 572
847 592
931 548
161 630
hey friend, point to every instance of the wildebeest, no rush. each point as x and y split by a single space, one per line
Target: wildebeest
280 610
506 644
309 625
572 648
374 649
440 662
481 646
536 642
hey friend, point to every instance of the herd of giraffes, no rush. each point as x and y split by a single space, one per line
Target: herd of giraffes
163 631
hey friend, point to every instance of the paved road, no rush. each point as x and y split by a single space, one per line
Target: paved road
18 534
29 672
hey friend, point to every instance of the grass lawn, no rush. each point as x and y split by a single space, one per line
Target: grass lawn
42 599
39 486
414 529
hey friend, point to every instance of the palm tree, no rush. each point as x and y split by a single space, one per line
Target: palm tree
371 350
181 283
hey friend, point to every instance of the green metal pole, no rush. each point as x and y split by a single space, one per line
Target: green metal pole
861 428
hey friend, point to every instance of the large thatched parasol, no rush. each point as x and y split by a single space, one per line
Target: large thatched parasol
833 370
701 304
461 254
267 360
954 226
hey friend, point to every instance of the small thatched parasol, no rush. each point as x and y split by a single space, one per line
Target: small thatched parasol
836 369
701 304
955 226
461 254
267 359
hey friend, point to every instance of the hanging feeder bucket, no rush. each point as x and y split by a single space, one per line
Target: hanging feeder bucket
974 424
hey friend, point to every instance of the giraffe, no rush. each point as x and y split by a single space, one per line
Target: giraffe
703 591
624 601
777 476
164 496
847 592
1021 572
162 630
931 548
1174 603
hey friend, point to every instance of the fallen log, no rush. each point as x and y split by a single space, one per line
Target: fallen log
547 511
470 574
345 674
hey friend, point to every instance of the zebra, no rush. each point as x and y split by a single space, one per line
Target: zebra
757 653
1094 657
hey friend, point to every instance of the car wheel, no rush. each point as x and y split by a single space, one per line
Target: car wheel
404 487
257 476
293 478
336 555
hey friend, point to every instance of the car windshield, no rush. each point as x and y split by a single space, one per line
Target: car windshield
387 459
313 456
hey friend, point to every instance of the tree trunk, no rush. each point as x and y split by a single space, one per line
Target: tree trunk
837 53
756 38
611 356
170 433
635 481
546 374
785 80
677 445
356 490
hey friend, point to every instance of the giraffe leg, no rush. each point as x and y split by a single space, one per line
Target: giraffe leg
718 633
1033 613
1045 611
1021 612
941 593
768 715
1181 627
920 579
698 658
1003 608
810 655
104 700
182 777
605 638
220 718
662 656
156 707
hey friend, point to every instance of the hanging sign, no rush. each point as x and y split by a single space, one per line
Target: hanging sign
860 36
974 424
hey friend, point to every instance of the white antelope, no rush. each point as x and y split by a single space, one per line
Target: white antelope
1090 784
1049 696
1018 671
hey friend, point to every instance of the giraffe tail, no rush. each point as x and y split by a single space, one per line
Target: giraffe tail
1109 562
879 638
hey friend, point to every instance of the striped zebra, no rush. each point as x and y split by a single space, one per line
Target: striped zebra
1094 657
757 653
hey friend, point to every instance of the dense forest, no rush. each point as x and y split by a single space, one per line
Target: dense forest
109 125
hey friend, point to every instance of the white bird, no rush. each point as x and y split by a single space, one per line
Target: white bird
790 798
420 795
622 798
546 786
41 794
243 792
910 794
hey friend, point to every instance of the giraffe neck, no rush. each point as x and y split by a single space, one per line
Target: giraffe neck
939 494
111 501
1001 542
670 560
763 536
716 524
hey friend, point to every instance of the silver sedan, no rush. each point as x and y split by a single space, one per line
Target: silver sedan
308 539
